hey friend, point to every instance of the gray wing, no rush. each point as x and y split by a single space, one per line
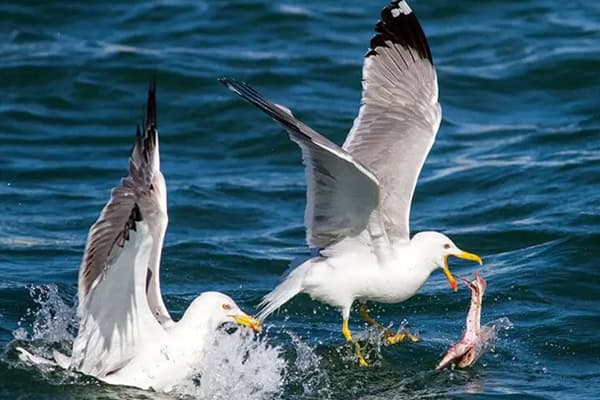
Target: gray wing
342 195
141 194
399 114
119 295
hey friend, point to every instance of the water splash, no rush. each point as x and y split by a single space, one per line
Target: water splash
372 340
499 328
489 336
305 372
50 326
236 366
239 366
53 323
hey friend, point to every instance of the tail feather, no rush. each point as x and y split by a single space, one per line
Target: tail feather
30 358
61 359
288 288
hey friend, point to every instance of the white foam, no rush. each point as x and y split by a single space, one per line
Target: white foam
306 371
236 366
53 322
239 365
52 327
293 9
489 335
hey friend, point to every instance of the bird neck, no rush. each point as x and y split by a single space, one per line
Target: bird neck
418 255
412 264
187 342
192 325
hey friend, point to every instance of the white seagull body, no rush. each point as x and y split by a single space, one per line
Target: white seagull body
126 335
359 195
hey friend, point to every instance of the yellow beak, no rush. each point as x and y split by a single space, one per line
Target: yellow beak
469 256
248 321
465 256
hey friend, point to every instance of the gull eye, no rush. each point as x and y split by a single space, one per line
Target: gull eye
446 246
226 307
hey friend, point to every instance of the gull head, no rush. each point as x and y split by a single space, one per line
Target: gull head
438 247
216 309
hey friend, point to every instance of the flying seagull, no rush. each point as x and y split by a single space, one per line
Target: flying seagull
359 195
126 335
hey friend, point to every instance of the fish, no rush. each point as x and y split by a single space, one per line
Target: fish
476 339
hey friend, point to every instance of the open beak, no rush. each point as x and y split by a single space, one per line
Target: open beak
248 321
469 256
449 276
465 256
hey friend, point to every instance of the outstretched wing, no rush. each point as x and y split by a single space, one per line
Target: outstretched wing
342 195
120 304
399 114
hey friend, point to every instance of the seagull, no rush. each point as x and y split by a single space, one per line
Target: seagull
126 335
359 195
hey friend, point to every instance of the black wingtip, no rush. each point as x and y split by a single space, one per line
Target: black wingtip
247 92
151 106
229 82
242 89
223 80
400 25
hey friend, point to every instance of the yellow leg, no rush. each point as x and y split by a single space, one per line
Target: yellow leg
357 350
364 314
346 331
390 337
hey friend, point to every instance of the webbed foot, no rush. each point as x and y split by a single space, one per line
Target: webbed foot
393 338
390 337
357 348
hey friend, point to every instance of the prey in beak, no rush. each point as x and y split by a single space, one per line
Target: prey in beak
248 321
476 339
463 255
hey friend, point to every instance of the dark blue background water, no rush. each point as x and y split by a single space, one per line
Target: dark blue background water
514 175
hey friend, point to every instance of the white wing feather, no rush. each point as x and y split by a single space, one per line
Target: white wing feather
120 304
399 114
342 195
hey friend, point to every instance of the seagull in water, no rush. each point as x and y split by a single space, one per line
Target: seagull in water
359 195
126 335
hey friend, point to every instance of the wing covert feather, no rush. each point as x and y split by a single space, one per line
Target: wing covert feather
399 114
